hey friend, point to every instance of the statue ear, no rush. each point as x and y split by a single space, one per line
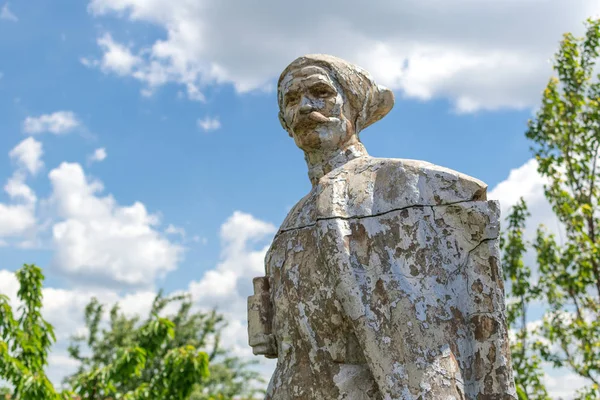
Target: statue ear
284 124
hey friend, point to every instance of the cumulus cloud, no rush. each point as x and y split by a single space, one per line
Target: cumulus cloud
96 238
461 50
230 282
28 154
225 287
18 217
59 122
18 190
526 182
6 14
117 58
244 243
209 123
15 219
98 155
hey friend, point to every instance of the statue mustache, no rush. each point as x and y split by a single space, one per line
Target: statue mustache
310 119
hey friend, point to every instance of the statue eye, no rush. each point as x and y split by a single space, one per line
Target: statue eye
322 91
291 98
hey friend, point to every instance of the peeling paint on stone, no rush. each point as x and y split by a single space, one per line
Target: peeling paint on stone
383 282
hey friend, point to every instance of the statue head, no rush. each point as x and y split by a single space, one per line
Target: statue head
324 101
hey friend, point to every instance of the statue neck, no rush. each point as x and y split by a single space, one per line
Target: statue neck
321 162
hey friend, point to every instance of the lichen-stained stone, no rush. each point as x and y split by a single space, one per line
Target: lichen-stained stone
384 282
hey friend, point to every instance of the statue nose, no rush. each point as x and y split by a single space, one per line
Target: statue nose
306 108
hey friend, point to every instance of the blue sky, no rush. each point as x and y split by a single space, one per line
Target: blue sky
137 78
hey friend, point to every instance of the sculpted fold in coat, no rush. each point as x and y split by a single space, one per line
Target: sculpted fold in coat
384 282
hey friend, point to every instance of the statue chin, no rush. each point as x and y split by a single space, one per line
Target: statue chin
328 136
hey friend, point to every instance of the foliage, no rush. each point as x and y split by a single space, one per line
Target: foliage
26 340
526 364
25 343
229 376
566 140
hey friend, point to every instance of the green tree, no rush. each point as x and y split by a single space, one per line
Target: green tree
25 342
566 139
521 292
229 376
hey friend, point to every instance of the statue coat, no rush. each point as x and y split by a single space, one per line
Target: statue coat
385 283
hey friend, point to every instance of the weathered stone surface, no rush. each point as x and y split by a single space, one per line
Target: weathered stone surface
260 316
384 282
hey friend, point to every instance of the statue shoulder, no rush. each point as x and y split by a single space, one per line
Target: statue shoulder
303 214
446 183
369 185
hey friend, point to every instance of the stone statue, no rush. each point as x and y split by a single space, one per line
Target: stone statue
384 282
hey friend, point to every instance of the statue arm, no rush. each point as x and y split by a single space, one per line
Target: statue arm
424 313
379 338
367 310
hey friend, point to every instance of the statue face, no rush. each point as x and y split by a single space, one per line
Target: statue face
313 109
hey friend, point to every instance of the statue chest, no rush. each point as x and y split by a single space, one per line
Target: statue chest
307 317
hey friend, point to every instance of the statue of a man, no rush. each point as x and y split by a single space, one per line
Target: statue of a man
383 282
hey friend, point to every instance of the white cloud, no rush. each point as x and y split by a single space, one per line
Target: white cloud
96 238
526 182
98 155
226 287
460 49
7 15
8 284
17 189
175 230
15 219
18 219
89 62
194 93
117 58
563 384
230 282
57 123
27 154
209 123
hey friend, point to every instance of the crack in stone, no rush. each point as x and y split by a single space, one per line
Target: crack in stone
464 265
447 376
432 206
